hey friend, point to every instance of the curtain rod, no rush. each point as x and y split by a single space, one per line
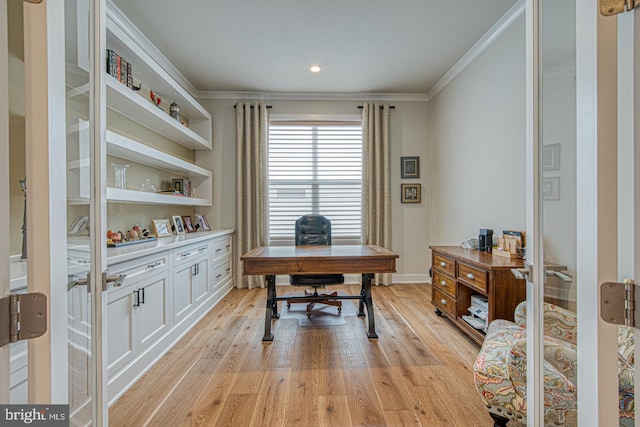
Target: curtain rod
393 107
268 106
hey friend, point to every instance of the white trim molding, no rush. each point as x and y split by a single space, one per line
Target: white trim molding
485 41
311 96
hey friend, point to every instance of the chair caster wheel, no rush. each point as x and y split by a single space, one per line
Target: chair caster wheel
438 312
308 314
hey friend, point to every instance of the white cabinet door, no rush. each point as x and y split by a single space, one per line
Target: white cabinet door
121 329
182 292
199 281
153 318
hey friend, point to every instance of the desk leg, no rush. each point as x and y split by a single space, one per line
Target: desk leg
368 301
271 308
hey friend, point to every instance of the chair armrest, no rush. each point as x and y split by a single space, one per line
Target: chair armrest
556 384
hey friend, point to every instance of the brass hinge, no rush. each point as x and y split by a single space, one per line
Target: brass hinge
22 316
614 7
618 302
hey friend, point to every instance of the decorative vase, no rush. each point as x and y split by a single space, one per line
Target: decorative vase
121 175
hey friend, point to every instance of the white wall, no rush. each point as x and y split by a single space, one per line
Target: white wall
476 134
408 138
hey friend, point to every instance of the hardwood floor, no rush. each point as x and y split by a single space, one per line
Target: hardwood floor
418 373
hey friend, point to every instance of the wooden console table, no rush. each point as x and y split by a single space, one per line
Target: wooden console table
272 260
459 273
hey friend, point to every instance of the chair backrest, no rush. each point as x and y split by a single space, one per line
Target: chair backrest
312 230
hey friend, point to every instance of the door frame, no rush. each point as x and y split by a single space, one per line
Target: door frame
596 116
4 197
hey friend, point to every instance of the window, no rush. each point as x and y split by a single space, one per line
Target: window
315 168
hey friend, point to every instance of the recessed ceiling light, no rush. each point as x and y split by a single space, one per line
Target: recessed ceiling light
315 69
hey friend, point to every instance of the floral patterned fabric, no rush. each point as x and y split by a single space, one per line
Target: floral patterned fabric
500 368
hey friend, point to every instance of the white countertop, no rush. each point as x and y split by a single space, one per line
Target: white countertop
125 253
18 269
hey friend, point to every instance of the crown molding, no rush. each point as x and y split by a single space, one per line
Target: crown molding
121 20
311 96
485 41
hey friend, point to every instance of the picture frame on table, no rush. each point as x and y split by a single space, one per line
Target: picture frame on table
202 222
410 167
178 224
162 228
411 193
188 224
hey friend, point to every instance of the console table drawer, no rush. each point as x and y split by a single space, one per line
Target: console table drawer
445 264
473 276
445 302
444 283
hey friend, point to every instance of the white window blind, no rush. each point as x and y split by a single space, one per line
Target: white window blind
315 168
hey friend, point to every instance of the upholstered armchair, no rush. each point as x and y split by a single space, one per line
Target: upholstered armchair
500 369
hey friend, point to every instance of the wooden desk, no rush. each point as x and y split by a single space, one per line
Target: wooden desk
273 260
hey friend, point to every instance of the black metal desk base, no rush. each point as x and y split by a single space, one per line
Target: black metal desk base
271 310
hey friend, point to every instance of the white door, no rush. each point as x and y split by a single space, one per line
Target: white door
576 203
54 107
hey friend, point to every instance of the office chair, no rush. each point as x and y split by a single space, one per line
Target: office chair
315 230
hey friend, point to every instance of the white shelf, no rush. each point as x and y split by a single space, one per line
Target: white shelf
135 107
134 196
126 148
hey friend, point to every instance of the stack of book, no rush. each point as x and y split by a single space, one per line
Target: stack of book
119 68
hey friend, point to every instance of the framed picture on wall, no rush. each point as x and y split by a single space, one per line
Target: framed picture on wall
410 167
411 193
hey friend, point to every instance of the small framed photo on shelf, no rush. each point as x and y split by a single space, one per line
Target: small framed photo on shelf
178 225
410 167
411 193
162 227
202 222
188 224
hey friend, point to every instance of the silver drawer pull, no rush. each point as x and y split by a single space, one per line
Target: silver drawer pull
443 301
155 264
443 264
443 283
470 276
218 276
218 250
186 254
202 249
228 246
228 270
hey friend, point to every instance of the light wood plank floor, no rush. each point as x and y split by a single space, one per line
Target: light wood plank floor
418 373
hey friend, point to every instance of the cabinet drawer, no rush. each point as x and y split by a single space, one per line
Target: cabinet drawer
445 264
139 268
221 248
221 273
472 275
189 253
444 284
444 302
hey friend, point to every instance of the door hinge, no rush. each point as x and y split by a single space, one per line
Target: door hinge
618 302
614 7
23 316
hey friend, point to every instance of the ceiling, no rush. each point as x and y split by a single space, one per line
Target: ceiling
363 46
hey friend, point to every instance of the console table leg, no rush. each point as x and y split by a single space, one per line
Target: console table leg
362 297
366 280
271 308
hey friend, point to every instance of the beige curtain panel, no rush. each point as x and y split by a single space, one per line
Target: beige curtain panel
252 128
376 179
